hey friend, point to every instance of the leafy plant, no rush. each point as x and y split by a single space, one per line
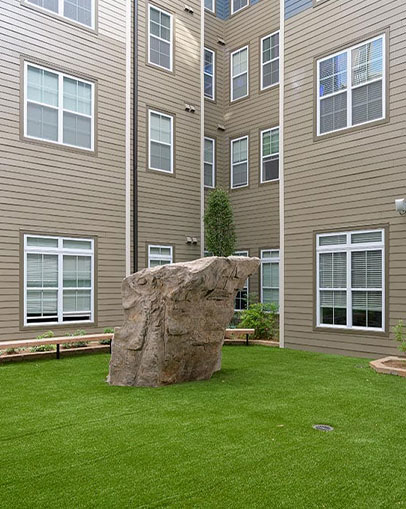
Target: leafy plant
78 344
44 348
261 317
12 351
400 335
219 224
107 330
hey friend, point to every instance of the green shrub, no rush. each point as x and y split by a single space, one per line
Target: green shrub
44 348
107 330
219 224
261 317
78 344
12 351
400 335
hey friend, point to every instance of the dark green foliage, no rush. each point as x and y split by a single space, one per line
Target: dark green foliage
219 224
261 317
44 348
400 335
107 330
78 344
242 440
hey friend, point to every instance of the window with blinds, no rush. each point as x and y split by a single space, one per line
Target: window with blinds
239 74
209 73
58 280
160 141
350 280
209 162
270 276
269 61
159 255
241 299
160 38
351 87
270 155
239 162
79 11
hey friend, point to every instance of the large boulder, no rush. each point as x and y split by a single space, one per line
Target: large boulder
175 319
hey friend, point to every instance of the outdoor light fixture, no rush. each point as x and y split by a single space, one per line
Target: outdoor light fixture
189 240
194 240
401 206
222 42
190 108
220 127
189 9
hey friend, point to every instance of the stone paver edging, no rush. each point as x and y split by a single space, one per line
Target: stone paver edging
381 366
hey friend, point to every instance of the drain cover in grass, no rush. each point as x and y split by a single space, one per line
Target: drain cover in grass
323 427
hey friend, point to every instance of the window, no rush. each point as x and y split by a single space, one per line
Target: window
270 61
58 108
210 5
160 141
160 38
239 162
209 73
351 87
209 162
270 277
350 280
58 280
241 299
237 5
159 255
239 74
270 155
80 11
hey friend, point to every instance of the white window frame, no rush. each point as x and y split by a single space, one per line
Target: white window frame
153 6
59 108
213 163
240 9
151 257
276 260
212 76
59 251
268 61
213 8
247 282
60 13
263 181
349 248
234 164
150 112
350 86
247 72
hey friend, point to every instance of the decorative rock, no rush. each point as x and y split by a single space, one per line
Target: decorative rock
175 320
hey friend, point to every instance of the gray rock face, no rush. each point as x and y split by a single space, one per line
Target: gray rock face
175 319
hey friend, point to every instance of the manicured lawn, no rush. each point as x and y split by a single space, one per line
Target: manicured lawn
243 439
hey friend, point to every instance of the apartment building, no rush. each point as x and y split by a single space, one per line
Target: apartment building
62 165
344 166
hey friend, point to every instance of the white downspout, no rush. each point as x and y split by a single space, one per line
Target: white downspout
281 177
202 14
128 143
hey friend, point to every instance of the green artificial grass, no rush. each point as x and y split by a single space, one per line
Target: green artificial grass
243 439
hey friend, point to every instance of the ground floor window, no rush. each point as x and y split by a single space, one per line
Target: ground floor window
270 276
159 255
58 280
241 299
350 280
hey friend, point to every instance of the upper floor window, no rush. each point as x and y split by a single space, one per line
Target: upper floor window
351 87
350 280
237 5
209 162
160 38
80 11
239 162
241 299
269 60
270 276
270 154
210 5
58 280
239 74
159 255
160 141
209 73
58 108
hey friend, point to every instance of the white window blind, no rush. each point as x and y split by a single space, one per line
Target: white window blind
239 162
209 162
270 154
80 11
351 87
350 280
209 73
239 74
160 141
58 280
269 60
241 299
159 255
160 38
270 276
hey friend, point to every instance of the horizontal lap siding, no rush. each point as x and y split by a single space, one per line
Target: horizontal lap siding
256 208
50 189
169 206
347 181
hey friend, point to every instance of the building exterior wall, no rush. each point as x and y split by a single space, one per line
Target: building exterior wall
56 190
345 181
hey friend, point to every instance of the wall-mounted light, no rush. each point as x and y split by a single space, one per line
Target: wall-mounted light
190 108
194 240
401 206
222 42
221 127
189 240
189 9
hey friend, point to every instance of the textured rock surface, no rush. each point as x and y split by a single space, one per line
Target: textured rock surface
175 319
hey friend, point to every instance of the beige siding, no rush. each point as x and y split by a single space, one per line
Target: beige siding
346 181
169 205
52 189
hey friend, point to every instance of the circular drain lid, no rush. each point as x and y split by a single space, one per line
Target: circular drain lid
323 427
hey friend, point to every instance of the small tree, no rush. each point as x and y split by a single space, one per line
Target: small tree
219 224
400 335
